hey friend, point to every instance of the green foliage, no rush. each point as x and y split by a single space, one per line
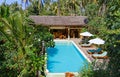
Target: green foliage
4 11
95 21
107 27
91 9
33 9
112 37
87 71
59 7
22 52
95 69
21 46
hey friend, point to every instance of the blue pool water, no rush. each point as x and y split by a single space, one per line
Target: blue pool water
64 57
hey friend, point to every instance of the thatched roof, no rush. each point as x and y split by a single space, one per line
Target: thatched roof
59 20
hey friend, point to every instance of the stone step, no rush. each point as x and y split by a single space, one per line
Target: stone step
55 75
59 74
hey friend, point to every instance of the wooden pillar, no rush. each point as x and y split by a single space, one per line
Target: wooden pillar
79 34
68 33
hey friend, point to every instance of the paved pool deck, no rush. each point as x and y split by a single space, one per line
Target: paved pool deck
85 49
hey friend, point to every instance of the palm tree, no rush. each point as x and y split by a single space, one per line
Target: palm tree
26 2
102 8
12 28
36 6
24 42
58 7
73 6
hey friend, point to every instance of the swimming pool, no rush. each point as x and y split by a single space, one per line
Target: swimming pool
64 57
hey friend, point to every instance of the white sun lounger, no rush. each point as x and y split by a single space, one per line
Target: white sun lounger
86 45
100 56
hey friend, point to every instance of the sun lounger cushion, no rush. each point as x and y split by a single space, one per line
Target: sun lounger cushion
86 45
103 55
94 50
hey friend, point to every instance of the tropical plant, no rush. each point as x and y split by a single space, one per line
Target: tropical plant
112 36
94 69
35 7
108 29
59 7
22 51
15 7
26 2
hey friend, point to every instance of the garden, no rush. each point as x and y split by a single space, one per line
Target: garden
23 43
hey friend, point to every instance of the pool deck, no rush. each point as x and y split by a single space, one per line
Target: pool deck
84 50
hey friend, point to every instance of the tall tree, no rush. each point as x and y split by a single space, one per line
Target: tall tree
26 2
107 28
35 7
112 38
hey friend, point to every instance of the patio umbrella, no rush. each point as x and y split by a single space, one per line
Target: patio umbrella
97 41
86 34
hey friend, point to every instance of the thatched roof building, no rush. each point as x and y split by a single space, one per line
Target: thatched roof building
68 26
